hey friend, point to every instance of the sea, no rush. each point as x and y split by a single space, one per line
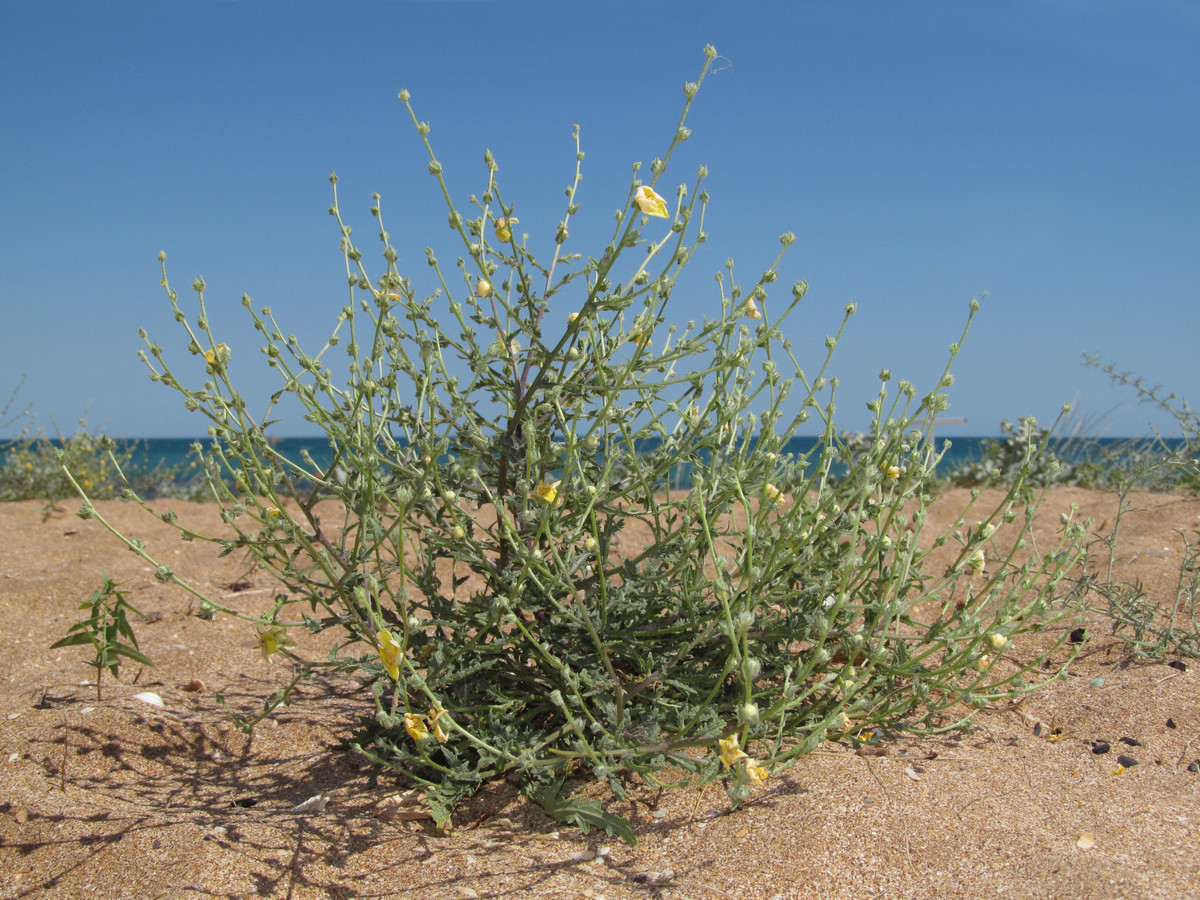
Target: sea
176 455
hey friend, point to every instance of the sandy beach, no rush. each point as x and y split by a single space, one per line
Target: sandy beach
122 799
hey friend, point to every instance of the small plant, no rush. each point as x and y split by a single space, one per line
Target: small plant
497 439
1022 448
7 414
1153 627
1167 462
108 631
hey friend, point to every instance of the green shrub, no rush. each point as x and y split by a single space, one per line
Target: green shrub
35 468
471 543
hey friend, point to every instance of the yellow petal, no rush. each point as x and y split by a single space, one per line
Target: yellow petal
650 202
977 563
730 751
389 653
434 715
271 641
547 493
483 288
750 309
216 355
503 227
755 772
415 726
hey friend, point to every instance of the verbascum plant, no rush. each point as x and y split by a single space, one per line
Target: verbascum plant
466 540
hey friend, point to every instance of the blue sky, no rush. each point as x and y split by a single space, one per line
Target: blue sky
1042 153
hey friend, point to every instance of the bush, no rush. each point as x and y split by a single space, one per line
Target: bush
465 542
35 468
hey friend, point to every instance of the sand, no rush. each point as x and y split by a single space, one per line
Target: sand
120 799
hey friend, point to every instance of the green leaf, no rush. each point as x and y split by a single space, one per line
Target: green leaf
132 653
583 814
441 813
71 640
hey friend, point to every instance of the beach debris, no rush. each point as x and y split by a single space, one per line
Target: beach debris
405 807
1078 636
1099 747
654 877
1177 664
1132 742
1194 766
195 686
1085 841
314 804
1127 761
244 802
151 698
1171 723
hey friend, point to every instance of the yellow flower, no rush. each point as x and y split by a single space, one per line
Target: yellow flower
503 227
891 471
434 715
977 562
756 773
483 288
773 494
730 751
983 662
415 726
750 310
272 641
571 317
547 493
649 202
389 653
274 512
997 641
217 355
